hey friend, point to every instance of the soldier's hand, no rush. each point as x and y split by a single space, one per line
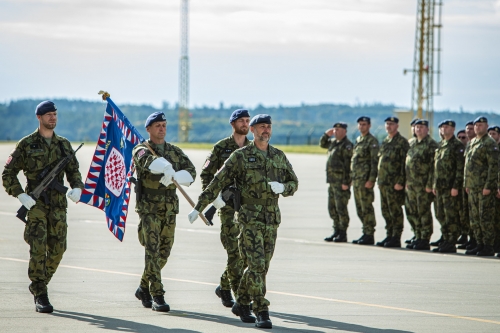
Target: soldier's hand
486 191
277 187
467 190
75 194
498 193
454 192
219 202
26 200
428 190
345 187
193 215
434 191
369 184
329 132
398 187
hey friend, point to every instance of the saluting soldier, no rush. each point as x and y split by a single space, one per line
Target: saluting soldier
158 205
494 133
419 170
364 163
447 186
230 279
47 227
338 177
391 182
262 173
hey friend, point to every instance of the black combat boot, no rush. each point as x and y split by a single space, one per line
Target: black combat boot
385 240
438 242
159 304
498 255
487 251
341 238
356 241
474 251
330 239
367 240
472 244
144 296
447 247
243 311
412 244
411 240
496 247
462 239
393 242
464 245
263 320
225 296
42 304
423 244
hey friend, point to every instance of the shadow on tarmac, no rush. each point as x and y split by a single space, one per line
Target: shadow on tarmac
114 324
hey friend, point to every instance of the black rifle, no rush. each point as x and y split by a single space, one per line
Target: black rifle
137 188
232 193
49 181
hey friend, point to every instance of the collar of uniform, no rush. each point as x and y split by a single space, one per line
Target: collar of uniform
244 144
341 140
427 138
270 149
55 137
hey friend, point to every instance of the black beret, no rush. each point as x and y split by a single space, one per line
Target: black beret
470 122
461 131
480 120
340 125
422 122
448 122
494 128
237 114
364 118
155 117
261 119
414 121
44 107
392 119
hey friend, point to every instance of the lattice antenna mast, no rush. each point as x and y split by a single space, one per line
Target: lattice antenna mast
184 120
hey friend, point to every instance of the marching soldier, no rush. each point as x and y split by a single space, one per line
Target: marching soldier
419 170
262 173
480 182
391 182
447 186
338 176
230 279
364 174
46 227
158 205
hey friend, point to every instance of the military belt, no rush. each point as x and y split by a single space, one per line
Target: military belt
152 191
262 202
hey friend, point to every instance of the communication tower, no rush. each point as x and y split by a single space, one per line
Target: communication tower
184 120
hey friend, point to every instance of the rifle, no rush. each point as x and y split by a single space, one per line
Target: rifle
137 188
232 193
49 181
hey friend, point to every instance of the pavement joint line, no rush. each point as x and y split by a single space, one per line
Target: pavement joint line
380 306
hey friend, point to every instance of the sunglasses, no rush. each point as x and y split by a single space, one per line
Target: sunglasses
461 137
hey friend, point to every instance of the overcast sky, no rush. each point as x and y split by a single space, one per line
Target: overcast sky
244 52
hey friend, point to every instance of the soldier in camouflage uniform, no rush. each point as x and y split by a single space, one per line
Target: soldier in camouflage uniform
480 182
158 205
230 279
494 133
364 174
391 182
338 177
447 186
262 173
46 229
419 170
410 140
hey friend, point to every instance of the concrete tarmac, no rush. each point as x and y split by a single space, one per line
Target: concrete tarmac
313 286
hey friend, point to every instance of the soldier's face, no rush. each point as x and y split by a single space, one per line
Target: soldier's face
494 135
262 132
421 130
339 133
469 131
157 131
481 128
462 137
391 127
447 130
363 127
241 126
48 120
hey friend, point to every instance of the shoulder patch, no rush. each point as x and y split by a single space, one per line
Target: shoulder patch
141 153
207 163
348 147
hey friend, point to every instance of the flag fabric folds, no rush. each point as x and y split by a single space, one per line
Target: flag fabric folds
107 186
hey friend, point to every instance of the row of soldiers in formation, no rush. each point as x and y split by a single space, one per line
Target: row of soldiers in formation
260 172
460 175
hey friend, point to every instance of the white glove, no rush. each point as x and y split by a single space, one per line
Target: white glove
159 165
183 178
277 187
219 202
26 200
193 215
168 174
75 194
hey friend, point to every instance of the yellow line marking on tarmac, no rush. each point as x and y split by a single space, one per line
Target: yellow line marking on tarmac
380 306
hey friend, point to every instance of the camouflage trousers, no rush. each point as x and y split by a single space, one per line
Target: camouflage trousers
448 210
256 242
464 215
482 213
497 222
418 211
363 198
391 202
229 231
45 233
156 233
337 206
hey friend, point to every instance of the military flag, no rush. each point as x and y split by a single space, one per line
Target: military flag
107 186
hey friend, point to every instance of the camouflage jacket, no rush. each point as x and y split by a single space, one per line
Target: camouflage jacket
449 164
252 171
391 162
364 160
338 165
481 164
32 155
219 154
153 191
420 162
